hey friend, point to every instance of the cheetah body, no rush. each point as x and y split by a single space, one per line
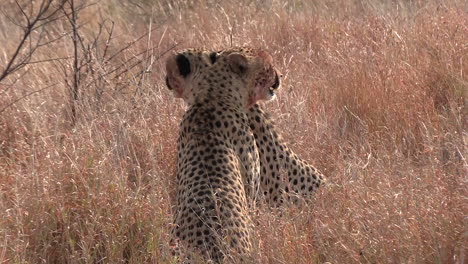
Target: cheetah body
284 176
218 165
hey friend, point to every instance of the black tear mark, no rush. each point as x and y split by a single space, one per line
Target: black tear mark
167 83
276 84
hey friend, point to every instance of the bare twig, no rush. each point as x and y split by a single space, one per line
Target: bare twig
110 32
32 23
25 96
58 17
120 51
76 68
132 43
13 82
119 67
49 60
148 58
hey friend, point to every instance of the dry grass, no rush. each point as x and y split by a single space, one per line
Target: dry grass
375 95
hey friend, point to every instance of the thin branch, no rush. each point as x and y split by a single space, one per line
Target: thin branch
76 38
59 37
24 13
109 39
13 82
62 16
97 36
31 25
49 60
10 66
140 61
76 61
24 96
73 22
125 63
132 43
11 20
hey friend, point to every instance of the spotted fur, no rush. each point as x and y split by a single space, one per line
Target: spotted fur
218 165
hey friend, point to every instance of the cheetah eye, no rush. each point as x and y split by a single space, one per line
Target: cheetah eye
213 57
183 64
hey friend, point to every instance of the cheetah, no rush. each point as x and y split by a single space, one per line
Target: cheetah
217 163
283 175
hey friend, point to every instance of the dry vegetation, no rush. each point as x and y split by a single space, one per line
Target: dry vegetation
375 95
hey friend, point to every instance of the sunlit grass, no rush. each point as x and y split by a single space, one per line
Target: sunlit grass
374 95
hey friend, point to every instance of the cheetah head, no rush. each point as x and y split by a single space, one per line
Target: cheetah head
252 67
262 77
182 68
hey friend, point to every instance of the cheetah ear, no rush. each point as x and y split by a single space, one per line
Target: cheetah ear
266 56
238 63
214 57
177 69
183 64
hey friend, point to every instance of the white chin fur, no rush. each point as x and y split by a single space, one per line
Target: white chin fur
270 97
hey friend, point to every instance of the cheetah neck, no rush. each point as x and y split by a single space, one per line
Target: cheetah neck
215 116
218 89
